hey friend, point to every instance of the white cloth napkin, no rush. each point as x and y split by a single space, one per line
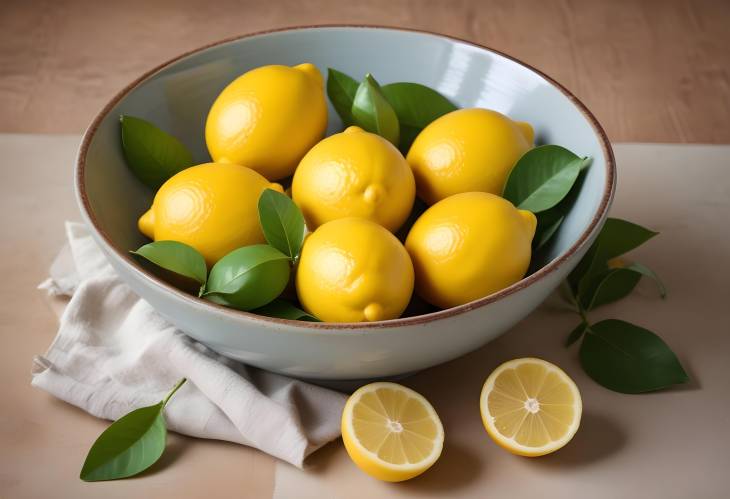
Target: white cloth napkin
114 353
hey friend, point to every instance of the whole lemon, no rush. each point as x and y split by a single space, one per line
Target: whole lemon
468 246
467 150
354 174
354 270
211 207
268 118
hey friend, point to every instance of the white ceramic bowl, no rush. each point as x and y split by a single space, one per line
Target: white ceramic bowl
177 95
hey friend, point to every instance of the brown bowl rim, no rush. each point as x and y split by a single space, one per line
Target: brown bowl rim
550 267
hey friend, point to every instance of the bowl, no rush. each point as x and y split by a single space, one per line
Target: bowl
177 95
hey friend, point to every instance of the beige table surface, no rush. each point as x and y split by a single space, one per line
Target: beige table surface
670 444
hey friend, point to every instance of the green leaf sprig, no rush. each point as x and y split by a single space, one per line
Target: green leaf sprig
249 278
130 445
617 354
396 111
152 154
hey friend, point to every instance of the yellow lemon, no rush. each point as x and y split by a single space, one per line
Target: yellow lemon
211 207
354 174
468 246
354 270
530 407
391 432
466 151
268 118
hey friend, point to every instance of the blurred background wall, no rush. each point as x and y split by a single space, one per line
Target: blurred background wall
654 70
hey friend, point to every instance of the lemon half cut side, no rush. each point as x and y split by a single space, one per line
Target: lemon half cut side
530 407
391 432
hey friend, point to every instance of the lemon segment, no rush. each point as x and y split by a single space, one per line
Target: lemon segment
530 407
391 432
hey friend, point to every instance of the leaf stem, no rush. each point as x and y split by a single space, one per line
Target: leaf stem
576 304
172 392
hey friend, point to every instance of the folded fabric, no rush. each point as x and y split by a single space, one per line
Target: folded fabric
113 353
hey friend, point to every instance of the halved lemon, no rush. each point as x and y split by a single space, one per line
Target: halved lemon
391 432
530 407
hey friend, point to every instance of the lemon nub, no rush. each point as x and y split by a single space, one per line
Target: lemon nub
146 224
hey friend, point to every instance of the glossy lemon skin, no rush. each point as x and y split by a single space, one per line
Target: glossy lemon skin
354 174
268 118
354 270
468 246
467 150
211 207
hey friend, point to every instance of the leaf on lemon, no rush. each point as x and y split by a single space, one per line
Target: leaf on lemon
152 154
248 277
176 257
416 106
341 90
282 222
372 112
542 177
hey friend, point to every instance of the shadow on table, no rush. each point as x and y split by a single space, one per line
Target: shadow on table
597 438
456 468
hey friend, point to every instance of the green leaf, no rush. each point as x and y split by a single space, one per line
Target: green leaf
616 238
341 90
176 257
130 445
576 334
372 112
542 177
416 106
548 223
646 271
285 310
282 222
629 359
608 287
151 154
249 277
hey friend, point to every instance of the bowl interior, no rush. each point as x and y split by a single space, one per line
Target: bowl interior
178 96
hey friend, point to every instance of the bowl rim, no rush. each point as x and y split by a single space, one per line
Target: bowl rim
550 267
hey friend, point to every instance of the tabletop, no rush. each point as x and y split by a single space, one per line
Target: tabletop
668 444
651 70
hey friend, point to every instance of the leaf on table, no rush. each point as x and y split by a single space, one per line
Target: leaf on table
629 359
129 446
341 90
176 257
616 238
646 271
542 177
282 222
373 113
576 334
608 287
152 154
